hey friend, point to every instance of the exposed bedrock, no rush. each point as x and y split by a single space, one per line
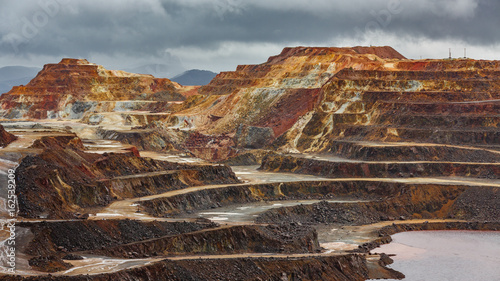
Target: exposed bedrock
59 238
277 93
368 151
478 203
48 264
156 137
389 131
425 201
48 244
465 136
74 87
386 200
224 196
438 105
125 118
5 137
210 147
456 120
253 137
225 240
343 169
143 139
63 179
351 267
246 157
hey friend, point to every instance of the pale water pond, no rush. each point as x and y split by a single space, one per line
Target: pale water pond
446 255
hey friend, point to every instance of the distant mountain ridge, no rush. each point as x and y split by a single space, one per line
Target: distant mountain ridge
11 76
194 77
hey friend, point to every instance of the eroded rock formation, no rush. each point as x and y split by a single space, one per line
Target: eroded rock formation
434 101
277 93
74 87
396 142
63 178
342 268
5 137
60 238
226 240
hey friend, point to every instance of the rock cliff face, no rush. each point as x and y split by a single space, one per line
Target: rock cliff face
6 137
382 140
440 102
311 99
340 268
63 179
277 93
306 99
383 201
416 202
226 240
54 238
74 87
342 169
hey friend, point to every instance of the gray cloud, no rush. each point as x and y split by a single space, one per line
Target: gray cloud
124 33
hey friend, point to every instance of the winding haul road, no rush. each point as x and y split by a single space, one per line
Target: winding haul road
339 239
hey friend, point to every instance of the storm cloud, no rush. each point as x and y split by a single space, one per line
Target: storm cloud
218 35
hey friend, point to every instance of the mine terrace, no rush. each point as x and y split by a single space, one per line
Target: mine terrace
294 169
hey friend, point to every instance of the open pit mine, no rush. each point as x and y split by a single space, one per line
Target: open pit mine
298 168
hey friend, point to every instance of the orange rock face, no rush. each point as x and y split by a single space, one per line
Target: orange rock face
432 101
311 98
75 86
306 99
276 93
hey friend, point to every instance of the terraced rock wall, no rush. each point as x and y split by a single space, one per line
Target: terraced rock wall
399 139
340 268
225 196
227 240
277 93
455 104
74 87
359 169
386 201
408 152
60 238
426 201
380 200
67 179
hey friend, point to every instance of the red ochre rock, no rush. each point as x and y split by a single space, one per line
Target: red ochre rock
310 98
5 137
75 86
63 179
277 93
301 84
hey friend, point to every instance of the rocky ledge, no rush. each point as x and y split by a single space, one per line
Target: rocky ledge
5 137
63 179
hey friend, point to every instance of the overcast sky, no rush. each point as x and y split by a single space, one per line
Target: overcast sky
220 34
